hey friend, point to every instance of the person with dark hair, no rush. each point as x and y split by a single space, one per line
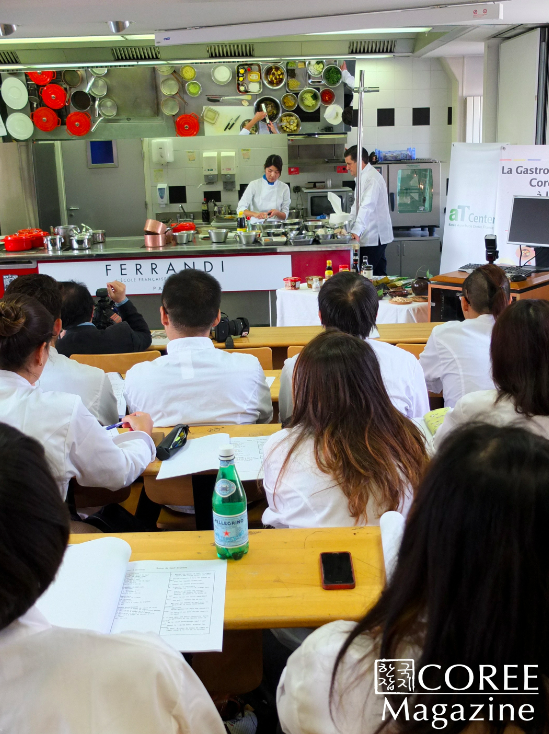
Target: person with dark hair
349 302
61 373
267 197
131 334
195 383
470 590
347 454
75 444
456 358
57 679
519 352
372 226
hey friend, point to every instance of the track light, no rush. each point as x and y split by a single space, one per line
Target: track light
6 29
118 26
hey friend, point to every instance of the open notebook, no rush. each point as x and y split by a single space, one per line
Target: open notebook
97 588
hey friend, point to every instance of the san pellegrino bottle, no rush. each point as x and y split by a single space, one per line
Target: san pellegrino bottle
229 505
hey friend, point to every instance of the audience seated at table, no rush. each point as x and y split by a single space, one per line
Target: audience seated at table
61 373
456 358
348 455
195 383
469 589
68 680
349 302
76 444
520 368
81 336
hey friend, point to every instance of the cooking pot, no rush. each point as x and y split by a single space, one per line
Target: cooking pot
155 240
72 77
65 231
53 241
153 226
80 241
54 95
184 227
98 236
78 124
183 237
45 119
81 100
16 243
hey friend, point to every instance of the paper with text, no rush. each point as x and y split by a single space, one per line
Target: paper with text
182 601
198 454
248 456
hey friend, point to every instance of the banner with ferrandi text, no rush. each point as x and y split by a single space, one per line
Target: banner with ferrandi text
471 203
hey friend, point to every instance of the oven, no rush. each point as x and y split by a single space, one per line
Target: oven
317 202
414 193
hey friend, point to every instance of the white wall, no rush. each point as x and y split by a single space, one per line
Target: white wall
517 89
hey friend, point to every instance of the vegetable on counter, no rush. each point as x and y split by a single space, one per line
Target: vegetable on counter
332 76
316 67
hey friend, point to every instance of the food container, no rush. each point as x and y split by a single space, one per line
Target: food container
273 107
314 224
187 73
193 88
65 231
211 116
78 124
316 68
292 283
310 279
274 76
343 269
300 239
155 240
324 237
98 87
53 241
222 74
16 243
34 236
187 125
184 227
41 77
183 237
72 77
169 106
274 226
81 100
273 232
54 96
289 101
98 236
327 97
246 238
81 241
309 99
248 78
165 70
218 235
332 76
289 123
169 86
153 226
45 119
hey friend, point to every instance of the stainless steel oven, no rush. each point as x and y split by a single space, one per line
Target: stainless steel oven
414 193
317 201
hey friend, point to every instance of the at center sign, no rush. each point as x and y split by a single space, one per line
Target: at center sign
147 276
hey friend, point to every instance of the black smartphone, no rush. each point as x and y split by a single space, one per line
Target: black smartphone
336 570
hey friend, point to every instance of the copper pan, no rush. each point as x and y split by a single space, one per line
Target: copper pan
152 226
155 240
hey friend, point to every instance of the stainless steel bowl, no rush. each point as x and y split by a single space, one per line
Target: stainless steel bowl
183 238
301 239
292 228
268 68
314 225
324 237
218 235
246 238
343 239
264 226
98 236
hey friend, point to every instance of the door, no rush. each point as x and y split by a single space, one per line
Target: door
392 255
414 194
112 199
419 256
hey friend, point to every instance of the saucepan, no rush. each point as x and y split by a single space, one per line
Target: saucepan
153 226
218 235
183 237
155 240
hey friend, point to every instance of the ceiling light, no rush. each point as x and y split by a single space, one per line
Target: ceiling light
6 29
73 39
371 30
118 26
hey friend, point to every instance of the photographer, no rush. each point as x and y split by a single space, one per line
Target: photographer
82 336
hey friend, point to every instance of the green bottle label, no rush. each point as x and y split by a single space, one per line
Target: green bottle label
230 531
225 488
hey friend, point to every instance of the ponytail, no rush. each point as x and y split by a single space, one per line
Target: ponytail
24 326
487 290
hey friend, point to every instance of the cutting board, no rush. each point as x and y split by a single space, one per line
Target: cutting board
226 114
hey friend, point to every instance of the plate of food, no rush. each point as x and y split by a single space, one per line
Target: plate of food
274 76
289 123
315 68
309 100
401 301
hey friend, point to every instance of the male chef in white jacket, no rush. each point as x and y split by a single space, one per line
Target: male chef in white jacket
195 383
372 226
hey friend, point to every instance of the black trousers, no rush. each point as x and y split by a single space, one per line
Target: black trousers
376 258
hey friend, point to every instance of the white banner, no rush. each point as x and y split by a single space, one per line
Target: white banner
147 276
471 203
523 171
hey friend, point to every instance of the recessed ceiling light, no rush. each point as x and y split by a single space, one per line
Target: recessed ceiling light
118 26
6 29
371 30
73 39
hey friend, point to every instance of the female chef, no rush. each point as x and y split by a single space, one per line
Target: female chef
267 197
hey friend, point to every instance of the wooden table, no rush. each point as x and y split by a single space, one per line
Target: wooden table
277 584
279 338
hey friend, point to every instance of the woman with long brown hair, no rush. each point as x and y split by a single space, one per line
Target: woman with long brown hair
348 454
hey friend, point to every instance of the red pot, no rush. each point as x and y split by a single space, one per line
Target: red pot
184 227
54 96
78 123
16 243
41 77
34 236
45 119
187 125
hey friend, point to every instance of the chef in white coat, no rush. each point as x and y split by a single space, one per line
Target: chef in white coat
372 226
267 197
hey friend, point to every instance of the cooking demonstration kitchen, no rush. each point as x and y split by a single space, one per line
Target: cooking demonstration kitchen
135 169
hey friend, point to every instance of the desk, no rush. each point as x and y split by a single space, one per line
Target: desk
300 308
279 338
277 584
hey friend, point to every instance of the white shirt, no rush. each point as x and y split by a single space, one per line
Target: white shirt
401 374
74 442
305 497
197 384
92 384
261 196
456 358
482 406
303 695
373 222
67 681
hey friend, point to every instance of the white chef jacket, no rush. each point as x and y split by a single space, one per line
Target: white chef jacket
80 682
197 384
401 373
74 442
261 196
305 497
482 406
373 222
456 358
92 384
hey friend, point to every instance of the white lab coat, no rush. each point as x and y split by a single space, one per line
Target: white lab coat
261 196
305 497
401 373
373 222
456 358
482 406
92 384
197 384
76 682
74 442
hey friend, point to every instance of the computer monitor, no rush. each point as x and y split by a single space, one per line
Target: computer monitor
530 221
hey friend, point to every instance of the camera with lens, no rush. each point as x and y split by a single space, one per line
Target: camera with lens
104 314
230 327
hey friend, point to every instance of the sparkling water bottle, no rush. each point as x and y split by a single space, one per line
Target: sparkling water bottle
229 505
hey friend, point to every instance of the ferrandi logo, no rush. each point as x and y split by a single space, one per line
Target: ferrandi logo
462 216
